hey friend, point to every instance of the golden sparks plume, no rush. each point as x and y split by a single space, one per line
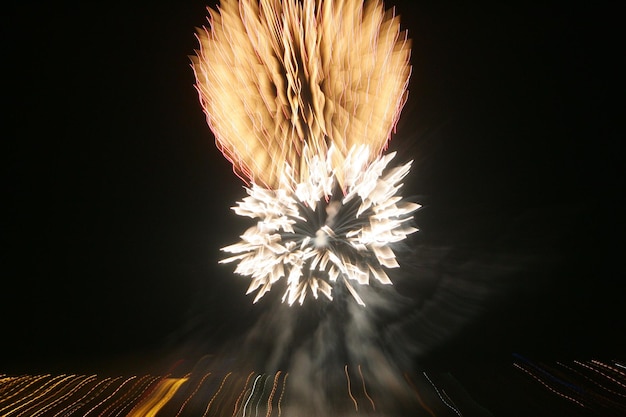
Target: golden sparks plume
281 81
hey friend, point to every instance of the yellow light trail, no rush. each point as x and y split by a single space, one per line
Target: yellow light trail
165 390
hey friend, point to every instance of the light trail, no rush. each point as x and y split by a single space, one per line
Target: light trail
356 406
206 412
251 394
417 394
365 389
195 391
129 396
146 385
256 412
280 400
243 392
451 407
82 381
234 393
271 396
109 397
551 389
79 403
162 393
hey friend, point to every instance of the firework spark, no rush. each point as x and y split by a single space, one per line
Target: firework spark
302 97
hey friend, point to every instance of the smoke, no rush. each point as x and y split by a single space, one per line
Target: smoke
334 351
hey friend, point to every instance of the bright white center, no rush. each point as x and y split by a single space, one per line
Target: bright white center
321 239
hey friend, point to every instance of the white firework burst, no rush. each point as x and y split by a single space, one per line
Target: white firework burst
313 234
302 97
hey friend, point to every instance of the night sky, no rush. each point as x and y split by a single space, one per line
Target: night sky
116 200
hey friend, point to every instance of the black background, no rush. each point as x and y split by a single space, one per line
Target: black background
116 201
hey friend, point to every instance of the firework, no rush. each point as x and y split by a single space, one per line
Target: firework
302 97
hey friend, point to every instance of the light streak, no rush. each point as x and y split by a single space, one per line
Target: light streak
27 382
610 378
271 396
243 391
365 389
256 413
280 399
536 378
81 381
150 380
417 394
166 395
37 394
251 394
356 406
206 412
195 391
110 396
162 393
134 392
79 403
451 407
302 97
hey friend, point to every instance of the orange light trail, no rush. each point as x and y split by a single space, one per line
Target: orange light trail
195 391
365 389
208 407
356 406
271 396
243 392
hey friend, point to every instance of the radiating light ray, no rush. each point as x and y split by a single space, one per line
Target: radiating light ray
302 97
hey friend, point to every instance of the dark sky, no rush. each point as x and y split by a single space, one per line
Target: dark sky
116 201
